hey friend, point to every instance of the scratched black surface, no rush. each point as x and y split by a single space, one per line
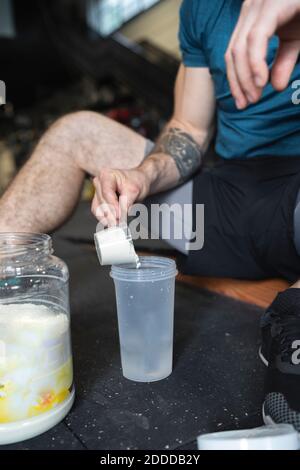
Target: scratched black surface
216 383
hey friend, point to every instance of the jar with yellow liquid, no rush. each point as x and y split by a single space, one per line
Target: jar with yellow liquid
36 373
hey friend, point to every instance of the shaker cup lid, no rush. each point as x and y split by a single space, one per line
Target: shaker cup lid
271 437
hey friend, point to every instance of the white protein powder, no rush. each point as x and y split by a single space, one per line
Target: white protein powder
35 360
38 318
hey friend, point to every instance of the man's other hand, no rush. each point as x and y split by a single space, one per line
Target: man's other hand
247 67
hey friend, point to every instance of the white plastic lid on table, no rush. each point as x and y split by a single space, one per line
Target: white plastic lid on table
272 437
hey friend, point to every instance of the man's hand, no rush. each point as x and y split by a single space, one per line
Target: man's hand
247 68
116 191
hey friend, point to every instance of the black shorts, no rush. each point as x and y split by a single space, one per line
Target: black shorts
249 211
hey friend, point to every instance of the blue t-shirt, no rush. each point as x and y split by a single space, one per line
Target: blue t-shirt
270 127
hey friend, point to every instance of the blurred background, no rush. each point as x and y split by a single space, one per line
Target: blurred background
117 57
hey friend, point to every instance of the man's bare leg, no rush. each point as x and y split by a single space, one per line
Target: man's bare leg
46 190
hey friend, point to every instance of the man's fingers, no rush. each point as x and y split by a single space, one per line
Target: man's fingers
284 65
238 68
265 27
116 191
106 211
95 204
257 56
239 47
98 212
244 74
110 196
236 90
106 214
124 206
246 57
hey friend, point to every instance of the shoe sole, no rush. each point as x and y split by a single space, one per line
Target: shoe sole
262 358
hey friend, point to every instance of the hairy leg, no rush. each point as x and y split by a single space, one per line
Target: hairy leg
46 190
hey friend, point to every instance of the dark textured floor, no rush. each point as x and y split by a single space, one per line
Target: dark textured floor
216 383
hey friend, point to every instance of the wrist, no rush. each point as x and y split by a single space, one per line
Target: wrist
148 174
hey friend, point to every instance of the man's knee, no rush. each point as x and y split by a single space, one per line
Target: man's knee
72 136
77 125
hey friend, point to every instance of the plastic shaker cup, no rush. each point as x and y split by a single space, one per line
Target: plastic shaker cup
145 306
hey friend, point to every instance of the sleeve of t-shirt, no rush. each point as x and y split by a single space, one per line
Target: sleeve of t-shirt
191 35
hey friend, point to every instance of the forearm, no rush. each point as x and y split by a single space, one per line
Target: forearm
177 155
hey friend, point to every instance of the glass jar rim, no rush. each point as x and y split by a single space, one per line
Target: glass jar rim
22 243
153 268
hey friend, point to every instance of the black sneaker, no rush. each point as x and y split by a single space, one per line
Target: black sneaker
280 352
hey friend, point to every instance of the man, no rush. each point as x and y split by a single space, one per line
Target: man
250 197
248 74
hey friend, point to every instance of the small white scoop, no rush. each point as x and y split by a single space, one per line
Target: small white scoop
114 245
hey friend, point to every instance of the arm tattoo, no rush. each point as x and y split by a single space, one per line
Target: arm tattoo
184 150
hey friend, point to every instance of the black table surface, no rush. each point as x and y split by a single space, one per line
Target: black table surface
216 383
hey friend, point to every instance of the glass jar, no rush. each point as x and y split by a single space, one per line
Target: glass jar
36 372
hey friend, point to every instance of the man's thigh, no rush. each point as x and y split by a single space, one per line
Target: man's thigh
99 142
